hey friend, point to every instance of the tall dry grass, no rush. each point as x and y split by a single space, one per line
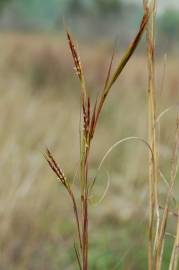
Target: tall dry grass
157 224
89 115
35 228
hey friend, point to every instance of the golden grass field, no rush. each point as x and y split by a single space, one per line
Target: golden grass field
39 105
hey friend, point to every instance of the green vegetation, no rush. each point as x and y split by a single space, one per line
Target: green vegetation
105 7
3 3
169 25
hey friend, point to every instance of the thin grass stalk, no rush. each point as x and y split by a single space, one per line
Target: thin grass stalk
84 177
60 175
84 195
88 124
84 150
152 139
175 252
77 256
75 209
164 219
89 130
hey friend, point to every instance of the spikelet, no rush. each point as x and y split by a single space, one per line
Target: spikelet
75 56
55 167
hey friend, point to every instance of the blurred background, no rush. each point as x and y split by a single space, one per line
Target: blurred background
39 107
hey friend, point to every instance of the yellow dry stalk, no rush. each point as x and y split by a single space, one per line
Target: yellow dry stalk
152 138
164 219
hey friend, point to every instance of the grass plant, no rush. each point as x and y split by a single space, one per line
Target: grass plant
157 224
89 117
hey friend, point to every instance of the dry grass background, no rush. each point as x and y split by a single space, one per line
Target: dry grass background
39 107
